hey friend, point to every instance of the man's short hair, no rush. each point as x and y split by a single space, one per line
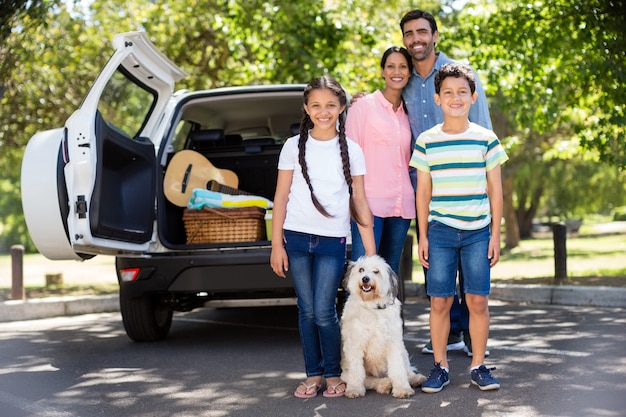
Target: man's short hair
418 14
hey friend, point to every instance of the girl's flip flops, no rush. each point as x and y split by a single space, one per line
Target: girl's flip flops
307 392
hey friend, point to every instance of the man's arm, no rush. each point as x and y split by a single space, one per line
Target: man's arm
479 112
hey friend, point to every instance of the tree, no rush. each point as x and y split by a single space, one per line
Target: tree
46 70
555 73
14 13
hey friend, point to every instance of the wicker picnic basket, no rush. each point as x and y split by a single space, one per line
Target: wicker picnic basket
216 225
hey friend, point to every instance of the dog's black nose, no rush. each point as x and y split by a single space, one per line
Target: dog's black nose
365 280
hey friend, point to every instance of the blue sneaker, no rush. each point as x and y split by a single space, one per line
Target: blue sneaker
437 379
483 379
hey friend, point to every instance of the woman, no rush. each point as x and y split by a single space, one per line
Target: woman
378 122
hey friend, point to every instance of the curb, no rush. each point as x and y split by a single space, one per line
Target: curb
561 294
567 295
40 308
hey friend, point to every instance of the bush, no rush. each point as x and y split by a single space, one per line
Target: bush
619 214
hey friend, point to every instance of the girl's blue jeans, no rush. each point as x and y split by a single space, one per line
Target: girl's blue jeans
317 265
389 234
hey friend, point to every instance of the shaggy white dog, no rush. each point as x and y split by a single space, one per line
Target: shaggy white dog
374 354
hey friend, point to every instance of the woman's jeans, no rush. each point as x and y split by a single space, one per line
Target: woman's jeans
317 266
389 235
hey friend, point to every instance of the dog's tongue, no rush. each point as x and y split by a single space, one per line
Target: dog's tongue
366 287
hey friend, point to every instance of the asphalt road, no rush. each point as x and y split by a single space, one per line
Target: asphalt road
551 361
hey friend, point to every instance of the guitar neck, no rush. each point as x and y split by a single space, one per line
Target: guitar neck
221 188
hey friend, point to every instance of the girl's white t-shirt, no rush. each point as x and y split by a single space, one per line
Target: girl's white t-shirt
325 170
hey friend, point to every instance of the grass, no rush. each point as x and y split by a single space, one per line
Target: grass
62 290
592 259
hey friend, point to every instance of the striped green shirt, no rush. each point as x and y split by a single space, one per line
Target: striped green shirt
458 166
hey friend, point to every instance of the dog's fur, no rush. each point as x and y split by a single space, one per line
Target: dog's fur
374 354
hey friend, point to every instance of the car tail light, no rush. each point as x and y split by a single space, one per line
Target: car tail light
129 274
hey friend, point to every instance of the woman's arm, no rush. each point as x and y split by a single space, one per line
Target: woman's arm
366 229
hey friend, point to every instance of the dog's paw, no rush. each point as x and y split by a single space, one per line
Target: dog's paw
353 393
384 386
416 380
402 393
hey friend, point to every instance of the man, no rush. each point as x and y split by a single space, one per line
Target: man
419 36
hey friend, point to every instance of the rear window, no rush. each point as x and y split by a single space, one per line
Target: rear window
126 105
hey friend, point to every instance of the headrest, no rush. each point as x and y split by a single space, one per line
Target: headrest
207 136
233 140
294 129
256 145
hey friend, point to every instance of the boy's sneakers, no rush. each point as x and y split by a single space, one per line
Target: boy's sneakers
467 348
483 379
455 342
437 379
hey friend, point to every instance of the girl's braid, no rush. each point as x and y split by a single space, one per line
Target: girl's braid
304 136
345 159
345 156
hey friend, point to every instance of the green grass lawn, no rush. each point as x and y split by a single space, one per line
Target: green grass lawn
592 259
598 259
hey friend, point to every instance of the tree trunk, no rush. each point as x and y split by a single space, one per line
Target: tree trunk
512 236
525 216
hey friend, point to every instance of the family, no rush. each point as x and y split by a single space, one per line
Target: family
421 148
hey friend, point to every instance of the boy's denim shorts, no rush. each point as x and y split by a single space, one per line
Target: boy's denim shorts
449 249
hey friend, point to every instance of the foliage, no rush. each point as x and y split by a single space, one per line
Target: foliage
553 71
555 78
558 66
599 188
48 65
22 14
619 214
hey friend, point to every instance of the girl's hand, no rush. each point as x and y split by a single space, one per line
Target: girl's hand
279 261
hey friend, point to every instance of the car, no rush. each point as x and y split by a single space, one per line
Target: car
117 178
97 185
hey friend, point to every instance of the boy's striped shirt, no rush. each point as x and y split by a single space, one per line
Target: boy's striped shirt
458 166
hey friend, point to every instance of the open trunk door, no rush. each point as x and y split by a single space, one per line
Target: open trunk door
90 188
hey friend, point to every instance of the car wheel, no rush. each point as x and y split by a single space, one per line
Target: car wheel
146 318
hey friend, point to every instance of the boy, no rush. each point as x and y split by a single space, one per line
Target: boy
459 209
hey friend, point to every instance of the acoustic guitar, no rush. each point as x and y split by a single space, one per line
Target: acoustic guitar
188 170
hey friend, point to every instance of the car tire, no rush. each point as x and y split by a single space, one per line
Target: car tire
146 318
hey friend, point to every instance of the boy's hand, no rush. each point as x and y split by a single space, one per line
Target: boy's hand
494 251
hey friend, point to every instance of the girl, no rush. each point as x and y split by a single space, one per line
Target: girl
319 187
